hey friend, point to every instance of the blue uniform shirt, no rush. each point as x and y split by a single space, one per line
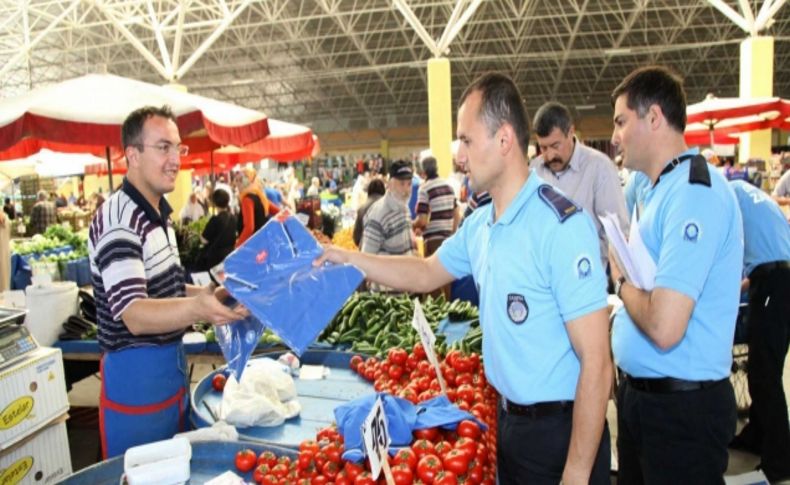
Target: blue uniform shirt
534 274
694 234
766 233
638 183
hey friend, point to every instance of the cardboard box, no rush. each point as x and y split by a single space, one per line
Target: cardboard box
41 458
34 393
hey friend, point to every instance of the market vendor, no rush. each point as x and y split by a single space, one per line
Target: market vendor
142 303
534 255
673 343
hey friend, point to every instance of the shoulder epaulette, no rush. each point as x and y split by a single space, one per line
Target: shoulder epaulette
562 206
698 171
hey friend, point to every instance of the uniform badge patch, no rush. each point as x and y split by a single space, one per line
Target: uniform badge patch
517 308
583 267
691 231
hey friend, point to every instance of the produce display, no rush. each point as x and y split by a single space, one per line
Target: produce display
41 246
188 239
466 454
344 238
373 323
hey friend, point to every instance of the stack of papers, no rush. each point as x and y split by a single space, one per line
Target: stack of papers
632 256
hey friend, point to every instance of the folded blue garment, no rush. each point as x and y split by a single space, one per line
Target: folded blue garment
403 418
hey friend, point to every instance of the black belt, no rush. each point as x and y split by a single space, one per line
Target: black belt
766 268
667 384
537 410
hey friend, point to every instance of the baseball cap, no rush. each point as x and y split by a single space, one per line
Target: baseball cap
400 169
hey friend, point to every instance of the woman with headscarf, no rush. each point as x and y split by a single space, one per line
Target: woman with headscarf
256 209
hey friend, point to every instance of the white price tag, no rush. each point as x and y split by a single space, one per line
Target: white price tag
376 437
428 339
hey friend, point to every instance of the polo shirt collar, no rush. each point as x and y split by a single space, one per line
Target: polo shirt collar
164 207
527 190
693 151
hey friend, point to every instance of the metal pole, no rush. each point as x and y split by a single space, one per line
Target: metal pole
109 167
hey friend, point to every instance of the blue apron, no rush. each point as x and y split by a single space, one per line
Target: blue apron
144 396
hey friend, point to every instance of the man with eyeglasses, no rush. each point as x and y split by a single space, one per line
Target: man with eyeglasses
143 304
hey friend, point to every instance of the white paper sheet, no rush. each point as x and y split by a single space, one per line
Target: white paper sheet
632 256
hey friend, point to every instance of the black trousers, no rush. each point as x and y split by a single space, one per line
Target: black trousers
533 450
769 336
677 438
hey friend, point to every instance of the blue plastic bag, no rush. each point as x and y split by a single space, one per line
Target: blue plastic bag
272 274
237 341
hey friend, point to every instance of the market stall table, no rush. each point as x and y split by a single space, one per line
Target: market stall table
318 399
209 459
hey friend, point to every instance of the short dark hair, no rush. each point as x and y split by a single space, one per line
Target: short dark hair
132 128
429 164
552 115
501 103
220 198
651 85
376 187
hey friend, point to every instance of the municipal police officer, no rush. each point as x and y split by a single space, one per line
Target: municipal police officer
535 257
673 343
766 260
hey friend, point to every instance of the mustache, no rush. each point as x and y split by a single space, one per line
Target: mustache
553 160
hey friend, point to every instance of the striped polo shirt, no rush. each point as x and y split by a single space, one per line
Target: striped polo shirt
133 254
436 199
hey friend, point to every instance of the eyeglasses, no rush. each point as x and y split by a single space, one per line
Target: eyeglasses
168 148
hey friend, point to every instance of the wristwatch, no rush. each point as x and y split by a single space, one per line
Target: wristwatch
618 285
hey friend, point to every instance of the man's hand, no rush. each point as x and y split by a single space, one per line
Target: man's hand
332 254
212 309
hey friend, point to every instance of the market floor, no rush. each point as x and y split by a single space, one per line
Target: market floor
83 428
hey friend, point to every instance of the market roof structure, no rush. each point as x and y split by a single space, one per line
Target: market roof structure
344 65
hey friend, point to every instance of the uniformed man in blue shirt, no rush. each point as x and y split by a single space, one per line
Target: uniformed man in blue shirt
535 257
673 344
766 260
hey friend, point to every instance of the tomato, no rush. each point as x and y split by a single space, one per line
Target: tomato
342 479
422 447
268 480
319 480
333 452
456 461
408 394
468 429
397 356
267 458
371 361
284 460
245 460
412 361
451 356
474 359
309 445
468 446
352 470
280 470
218 382
429 434
395 372
428 467
442 448
321 458
405 456
364 478
402 474
450 376
419 351
445 477
463 378
355 361
330 470
466 392
474 474
328 433
305 458
260 472
462 364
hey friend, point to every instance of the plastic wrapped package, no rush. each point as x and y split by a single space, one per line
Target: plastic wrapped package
272 274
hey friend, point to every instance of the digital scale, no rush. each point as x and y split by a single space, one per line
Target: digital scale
16 342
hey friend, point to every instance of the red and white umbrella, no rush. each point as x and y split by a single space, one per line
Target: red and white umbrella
720 120
86 114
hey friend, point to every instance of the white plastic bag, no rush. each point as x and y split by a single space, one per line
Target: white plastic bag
266 396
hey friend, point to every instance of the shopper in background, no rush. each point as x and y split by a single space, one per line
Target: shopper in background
533 253
43 214
781 193
9 209
676 406
582 173
766 237
192 210
142 302
315 188
376 190
387 226
255 206
219 235
437 208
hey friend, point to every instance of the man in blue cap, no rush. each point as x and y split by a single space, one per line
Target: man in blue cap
673 343
534 255
766 260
